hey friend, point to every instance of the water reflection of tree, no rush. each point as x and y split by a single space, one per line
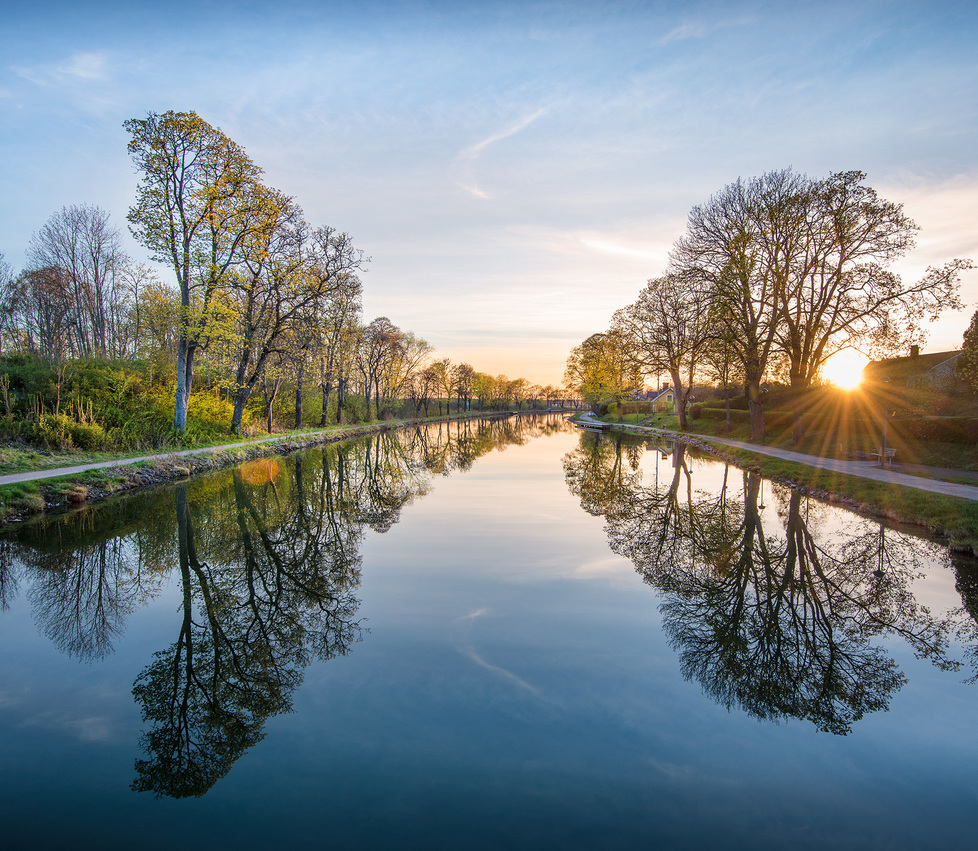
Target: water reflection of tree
255 609
267 558
268 592
778 624
85 577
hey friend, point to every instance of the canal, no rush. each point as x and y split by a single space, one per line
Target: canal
500 633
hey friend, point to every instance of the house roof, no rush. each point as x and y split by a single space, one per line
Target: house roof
906 367
662 392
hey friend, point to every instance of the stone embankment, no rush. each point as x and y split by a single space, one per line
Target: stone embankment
133 473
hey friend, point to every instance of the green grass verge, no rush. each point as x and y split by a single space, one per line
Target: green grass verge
25 498
951 516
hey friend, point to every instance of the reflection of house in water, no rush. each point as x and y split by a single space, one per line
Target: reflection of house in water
935 370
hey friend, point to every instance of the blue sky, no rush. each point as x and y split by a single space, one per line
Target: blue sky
516 171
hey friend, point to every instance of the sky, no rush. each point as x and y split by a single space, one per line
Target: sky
516 171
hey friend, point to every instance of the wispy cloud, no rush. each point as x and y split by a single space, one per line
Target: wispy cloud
467 156
616 248
91 728
467 650
700 29
78 66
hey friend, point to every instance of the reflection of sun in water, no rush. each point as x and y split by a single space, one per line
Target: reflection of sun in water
845 369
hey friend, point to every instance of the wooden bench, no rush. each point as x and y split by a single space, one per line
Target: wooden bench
885 456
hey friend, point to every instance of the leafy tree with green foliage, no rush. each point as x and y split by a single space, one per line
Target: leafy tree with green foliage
195 205
968 362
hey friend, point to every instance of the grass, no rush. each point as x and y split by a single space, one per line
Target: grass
25 498
951 516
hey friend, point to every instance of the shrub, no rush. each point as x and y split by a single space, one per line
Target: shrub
87 436
696 411
737 415
51 430
354 409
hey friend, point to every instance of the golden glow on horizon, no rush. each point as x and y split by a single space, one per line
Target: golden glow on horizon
845 369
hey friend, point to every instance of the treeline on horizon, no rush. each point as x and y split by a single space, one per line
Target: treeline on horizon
774 276
259 327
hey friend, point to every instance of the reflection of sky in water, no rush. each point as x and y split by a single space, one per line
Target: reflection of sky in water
515 689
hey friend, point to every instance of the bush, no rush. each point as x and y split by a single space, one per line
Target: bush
696 411
354 409
51 430
737 415
87 436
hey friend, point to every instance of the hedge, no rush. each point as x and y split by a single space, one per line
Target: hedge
939 429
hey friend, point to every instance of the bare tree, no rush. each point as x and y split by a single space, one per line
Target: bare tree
85 248
8 300
841 293
667 330
743 246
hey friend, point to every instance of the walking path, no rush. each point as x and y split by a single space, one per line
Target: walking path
863 469
33 475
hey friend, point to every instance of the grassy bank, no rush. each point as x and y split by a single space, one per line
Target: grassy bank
21 500
949 517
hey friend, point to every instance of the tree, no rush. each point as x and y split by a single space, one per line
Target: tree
377 348
483 386
40 308
8 300
421 387
462 376
721 365
158 320
841 294
742 246
338 326
446 382
267 289
968 362
667 330
192 211
798 268
80 242
600 369
518 390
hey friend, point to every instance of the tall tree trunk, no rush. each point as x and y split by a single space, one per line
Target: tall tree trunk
327 389
182 394
240 399
753 388
682 394
270 399
300 374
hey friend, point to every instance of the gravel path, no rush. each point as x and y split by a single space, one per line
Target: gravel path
34 475
863 469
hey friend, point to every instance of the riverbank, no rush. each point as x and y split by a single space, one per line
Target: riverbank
26 494
941 509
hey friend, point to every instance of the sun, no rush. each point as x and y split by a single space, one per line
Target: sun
845 369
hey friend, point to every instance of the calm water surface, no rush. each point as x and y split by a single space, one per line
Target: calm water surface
504 634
